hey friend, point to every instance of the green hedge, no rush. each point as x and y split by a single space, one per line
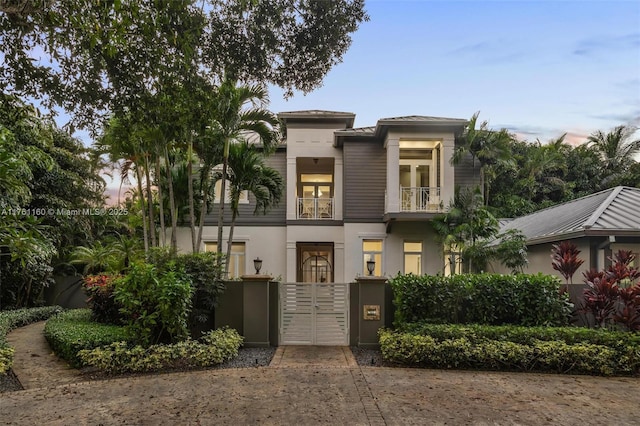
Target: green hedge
521 299
558 350
10 320
74 330
213 348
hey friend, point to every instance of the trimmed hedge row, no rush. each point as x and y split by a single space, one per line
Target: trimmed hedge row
521 299
516 349
71 331
524 335
10 320
213 348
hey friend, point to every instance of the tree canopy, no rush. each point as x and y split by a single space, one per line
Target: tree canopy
101 57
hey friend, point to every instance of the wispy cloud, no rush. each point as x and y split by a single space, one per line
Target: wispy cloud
605 43
488 52
631 118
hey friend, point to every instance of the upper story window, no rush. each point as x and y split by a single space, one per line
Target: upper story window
419 175
315 188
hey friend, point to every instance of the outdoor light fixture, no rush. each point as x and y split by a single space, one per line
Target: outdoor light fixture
371 266
257 263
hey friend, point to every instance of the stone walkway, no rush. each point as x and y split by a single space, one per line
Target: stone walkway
35 365
310 385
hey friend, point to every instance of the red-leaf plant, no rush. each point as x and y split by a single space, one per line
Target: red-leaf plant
612 296
564 259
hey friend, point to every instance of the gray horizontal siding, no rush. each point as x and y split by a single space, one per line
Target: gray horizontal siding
277 216
365 179
464 173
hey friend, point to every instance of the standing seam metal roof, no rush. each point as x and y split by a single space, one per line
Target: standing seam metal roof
615 209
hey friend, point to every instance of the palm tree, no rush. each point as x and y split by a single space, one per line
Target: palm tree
95 258
615 149
249 173
232 121
487 146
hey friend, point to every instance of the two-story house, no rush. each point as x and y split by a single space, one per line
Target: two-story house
352 195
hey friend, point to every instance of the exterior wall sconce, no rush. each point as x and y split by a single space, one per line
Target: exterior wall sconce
257 263
371 266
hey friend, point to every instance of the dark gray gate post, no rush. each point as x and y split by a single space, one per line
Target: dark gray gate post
255 304
369 304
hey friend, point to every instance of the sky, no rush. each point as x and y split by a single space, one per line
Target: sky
539 69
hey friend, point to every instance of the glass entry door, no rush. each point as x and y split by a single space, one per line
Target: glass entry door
315 262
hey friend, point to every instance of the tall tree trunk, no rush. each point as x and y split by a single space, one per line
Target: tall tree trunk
145 232
229 244
203 207
192 214
223 188
152 225
172 202
163 230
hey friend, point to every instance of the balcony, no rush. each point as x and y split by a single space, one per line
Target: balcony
315 208
420 199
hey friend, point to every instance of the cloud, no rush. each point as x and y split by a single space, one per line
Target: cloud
631 118
488 52
595 45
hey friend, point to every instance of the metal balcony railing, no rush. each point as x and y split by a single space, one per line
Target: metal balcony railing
315 208
420 199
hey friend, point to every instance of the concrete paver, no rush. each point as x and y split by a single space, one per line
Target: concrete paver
316 385
313 356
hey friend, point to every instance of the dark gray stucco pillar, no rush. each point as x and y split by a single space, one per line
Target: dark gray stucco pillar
370 310
255 315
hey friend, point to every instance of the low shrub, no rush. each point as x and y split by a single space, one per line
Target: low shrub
512 348
155 304
10 320
205 274
213 348
522 299
74 330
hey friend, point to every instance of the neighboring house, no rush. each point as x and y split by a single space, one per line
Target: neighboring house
352 194
599 224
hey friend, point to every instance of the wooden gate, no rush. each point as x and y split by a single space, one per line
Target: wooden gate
314 314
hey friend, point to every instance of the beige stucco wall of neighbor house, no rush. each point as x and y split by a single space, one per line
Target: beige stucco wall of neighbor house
539 256
267 243
635 248
313 141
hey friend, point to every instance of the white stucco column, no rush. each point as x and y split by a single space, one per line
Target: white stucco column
338 187
393 175
447 185
292 177
291 262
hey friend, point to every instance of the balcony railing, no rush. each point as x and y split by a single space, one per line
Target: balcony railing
420 199
315 208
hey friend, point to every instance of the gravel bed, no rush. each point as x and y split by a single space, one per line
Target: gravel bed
250 357
368 357
9 382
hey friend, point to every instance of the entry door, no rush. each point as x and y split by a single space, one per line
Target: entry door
315 262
